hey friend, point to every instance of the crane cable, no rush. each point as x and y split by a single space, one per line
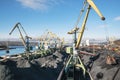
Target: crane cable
23 30
81 11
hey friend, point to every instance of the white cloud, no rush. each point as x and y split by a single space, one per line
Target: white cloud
117 18
39 4
103 26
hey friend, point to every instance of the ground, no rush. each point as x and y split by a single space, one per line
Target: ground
49 67
44 68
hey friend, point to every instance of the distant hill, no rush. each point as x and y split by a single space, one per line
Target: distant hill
15 43
117 42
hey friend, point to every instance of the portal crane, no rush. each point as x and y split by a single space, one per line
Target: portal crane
53 37
27 38
91 4
74 68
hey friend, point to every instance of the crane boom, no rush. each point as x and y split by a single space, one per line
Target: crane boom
91 4
26 44
23 41
16 25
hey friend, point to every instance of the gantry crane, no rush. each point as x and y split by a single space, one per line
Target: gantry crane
74 68
27 38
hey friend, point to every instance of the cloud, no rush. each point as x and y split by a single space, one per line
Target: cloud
103 26
39 4
117 18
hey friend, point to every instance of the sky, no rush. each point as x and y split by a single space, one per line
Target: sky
59 17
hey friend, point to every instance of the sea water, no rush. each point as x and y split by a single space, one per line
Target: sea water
14 50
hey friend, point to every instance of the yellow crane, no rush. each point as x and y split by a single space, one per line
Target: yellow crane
24 41
74 68
91 4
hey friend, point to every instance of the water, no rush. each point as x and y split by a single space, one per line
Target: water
16 50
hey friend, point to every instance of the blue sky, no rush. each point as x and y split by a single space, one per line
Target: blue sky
58 16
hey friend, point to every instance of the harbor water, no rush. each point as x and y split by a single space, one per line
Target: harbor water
14 50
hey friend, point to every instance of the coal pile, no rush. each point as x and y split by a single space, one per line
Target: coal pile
100 70
44 68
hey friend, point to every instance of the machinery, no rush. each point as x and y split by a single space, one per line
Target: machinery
74 31
50 39
56 40
47 44
75 68
27 38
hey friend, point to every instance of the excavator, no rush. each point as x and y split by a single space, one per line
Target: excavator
25 41
74 68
